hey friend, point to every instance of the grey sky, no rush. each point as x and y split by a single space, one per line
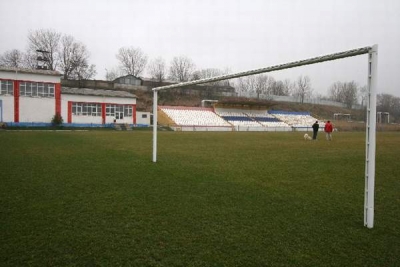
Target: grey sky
234 34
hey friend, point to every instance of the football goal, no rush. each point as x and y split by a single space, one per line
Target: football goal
372 52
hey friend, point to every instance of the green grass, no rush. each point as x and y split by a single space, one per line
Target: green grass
213 199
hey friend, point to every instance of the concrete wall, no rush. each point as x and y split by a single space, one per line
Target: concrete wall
7 108
31 109
35 109
143 117
93 84
149 85
65 98
130 87
98 84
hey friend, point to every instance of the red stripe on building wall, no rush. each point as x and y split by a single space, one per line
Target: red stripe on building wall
57 95
69 120
134 113
16 101
103 113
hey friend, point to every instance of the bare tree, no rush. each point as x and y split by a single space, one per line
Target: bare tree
257 84
46 40
389 103
84 72
30 59
363 94
288 87
303 89
210 87
133 61
279 88
275 87
335 92
350 92
261 84
210 73
13 58
345 93
157 69
113 74
181 69
251 84
242 86
74 59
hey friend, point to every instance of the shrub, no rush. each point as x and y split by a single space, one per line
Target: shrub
57 120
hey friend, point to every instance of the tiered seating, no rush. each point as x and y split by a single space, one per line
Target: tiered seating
267 120
238 119
297 120
194 116
205 119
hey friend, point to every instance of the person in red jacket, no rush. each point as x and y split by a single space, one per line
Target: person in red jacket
328 130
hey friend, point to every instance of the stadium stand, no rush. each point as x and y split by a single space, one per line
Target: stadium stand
186 116
267 120
238 118
296 119
208 119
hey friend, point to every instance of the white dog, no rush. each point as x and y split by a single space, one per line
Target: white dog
307 137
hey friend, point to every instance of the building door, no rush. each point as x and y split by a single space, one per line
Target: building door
119 116
1 110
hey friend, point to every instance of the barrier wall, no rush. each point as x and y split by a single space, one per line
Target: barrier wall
71 125
189 128
262 129
307 129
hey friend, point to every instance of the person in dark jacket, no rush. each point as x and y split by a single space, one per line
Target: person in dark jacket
315 128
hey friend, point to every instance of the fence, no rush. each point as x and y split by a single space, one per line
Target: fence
70 125
196 128
316 101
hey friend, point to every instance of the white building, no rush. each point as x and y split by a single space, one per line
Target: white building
35 96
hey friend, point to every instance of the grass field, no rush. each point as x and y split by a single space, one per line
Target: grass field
213 199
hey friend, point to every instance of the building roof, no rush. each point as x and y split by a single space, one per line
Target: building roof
96 92
30 71
129 75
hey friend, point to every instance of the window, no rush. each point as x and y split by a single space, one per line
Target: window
110 110
119 116
33 89
40 89
144 116
36 89
125 109
6 88
128 111
86 109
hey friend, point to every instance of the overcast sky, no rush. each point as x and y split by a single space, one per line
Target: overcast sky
235 34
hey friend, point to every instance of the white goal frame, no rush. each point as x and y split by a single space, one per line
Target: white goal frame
372 52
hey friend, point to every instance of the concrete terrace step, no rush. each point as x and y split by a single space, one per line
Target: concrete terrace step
122 127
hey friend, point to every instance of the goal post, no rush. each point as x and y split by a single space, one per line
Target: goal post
372 52
370 138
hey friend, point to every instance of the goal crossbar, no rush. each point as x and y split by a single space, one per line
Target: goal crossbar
372 52
349 53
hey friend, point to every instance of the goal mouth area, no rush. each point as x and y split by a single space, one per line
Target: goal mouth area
372 52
